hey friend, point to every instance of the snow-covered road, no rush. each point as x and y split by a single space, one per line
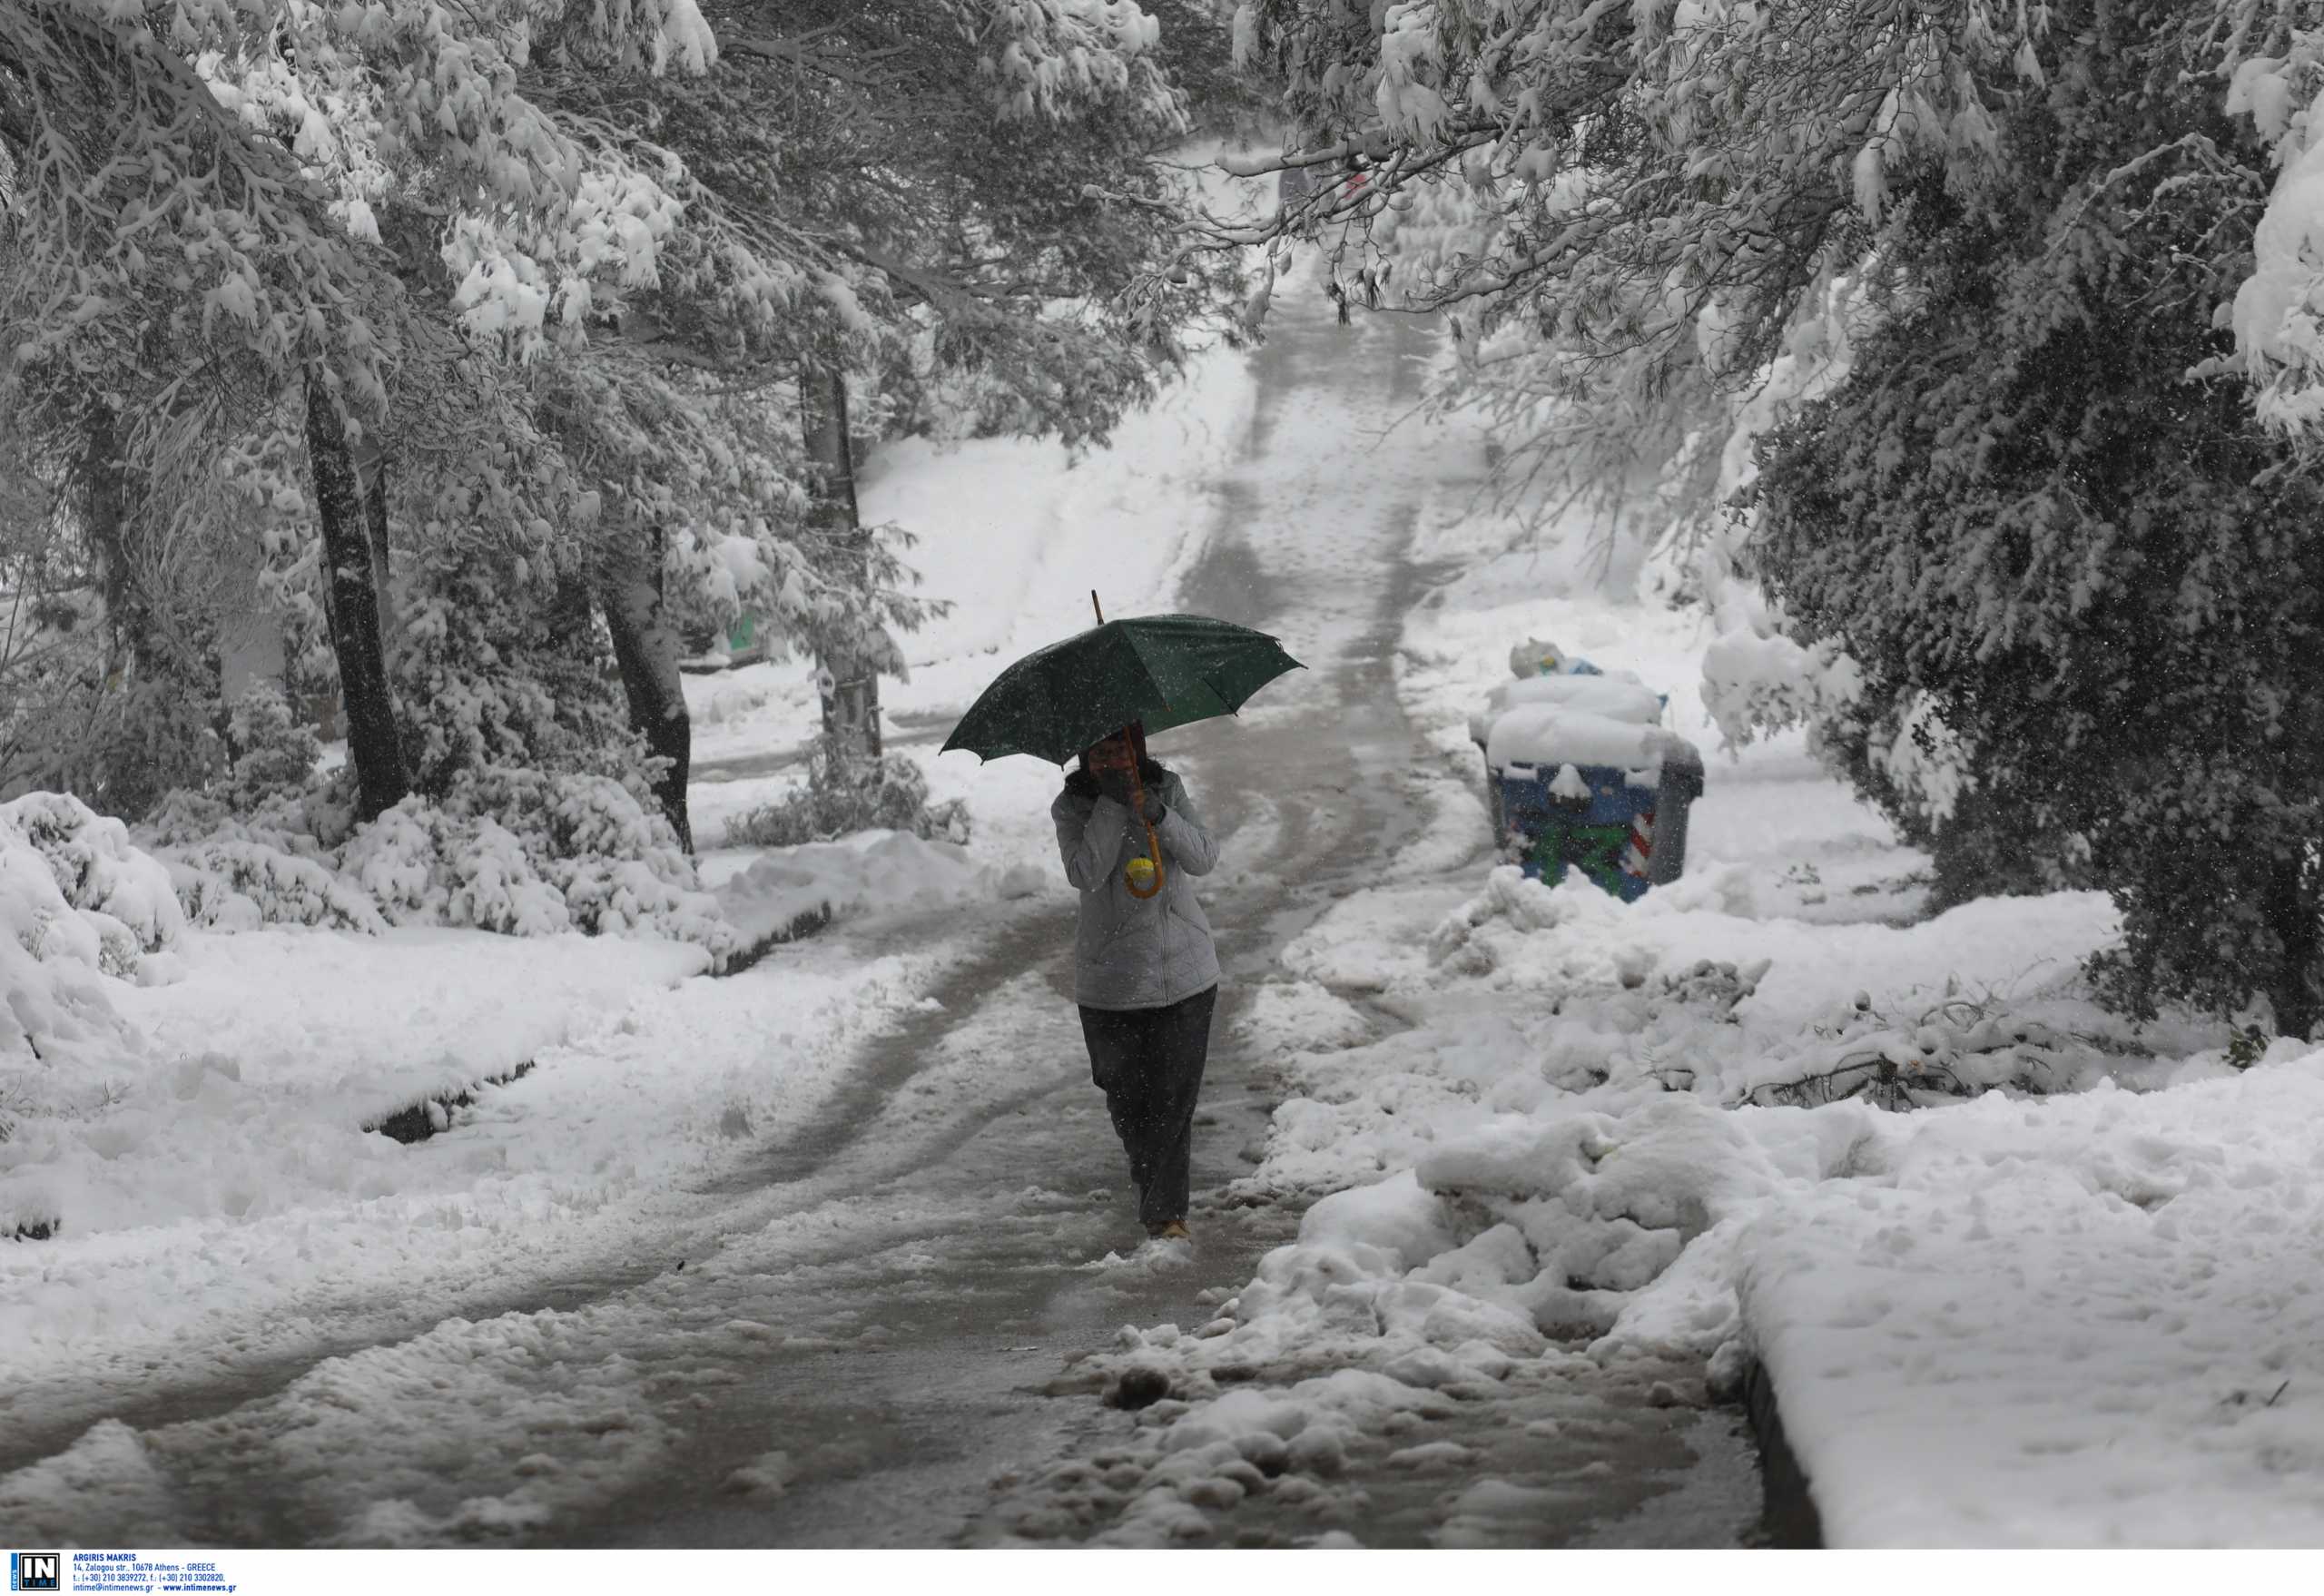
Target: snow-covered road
862 1333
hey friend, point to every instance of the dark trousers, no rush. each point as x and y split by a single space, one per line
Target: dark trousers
1149 1062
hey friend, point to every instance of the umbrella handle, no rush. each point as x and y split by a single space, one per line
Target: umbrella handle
1153 843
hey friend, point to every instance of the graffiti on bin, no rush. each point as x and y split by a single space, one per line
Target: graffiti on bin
1604 852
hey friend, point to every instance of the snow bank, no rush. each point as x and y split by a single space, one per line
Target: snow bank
2090 1321
2022 1269
868 873
245 1089
2078 1321
1993 1319
155 1070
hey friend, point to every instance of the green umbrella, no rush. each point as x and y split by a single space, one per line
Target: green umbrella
1164 671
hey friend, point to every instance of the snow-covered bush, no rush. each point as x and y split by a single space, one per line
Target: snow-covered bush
230 883
604 851
518 852
1754 683
492 885
2126 671
841 797
80 910
393 858
1934 1050
110 884
507 672
273 751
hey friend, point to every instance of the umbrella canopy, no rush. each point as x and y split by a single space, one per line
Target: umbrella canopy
1162 670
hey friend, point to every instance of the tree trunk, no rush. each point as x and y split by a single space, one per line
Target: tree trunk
128 616
851 702
352 595
371 472
2293 915
646 647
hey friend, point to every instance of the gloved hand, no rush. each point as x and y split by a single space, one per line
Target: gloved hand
1155 810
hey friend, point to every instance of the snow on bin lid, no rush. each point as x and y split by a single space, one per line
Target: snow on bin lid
1550 735
1611 697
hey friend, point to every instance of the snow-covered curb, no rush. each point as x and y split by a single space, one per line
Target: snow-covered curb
1789 1520
2095 1320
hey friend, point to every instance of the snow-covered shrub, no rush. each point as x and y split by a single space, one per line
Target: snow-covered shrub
273 751
493 886
608 854
530 853
230 883
312 821
1754 683
1929 1049
845 795
519 852
184 816
98 873
80 909
393 860
2130 673
508 676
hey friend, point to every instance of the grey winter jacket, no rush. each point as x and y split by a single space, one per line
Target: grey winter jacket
1132 953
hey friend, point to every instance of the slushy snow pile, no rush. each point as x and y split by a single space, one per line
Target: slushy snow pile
868 873
2023 1272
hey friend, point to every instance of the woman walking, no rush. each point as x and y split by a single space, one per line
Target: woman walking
1146 973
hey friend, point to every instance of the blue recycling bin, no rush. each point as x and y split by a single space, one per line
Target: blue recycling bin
1623 826
1622 698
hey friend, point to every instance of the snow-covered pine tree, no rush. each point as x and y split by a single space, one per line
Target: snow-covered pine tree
160 264
508 292
196 201
945 150
2028 510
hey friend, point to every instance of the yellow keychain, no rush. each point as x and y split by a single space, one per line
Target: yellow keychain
1139 871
